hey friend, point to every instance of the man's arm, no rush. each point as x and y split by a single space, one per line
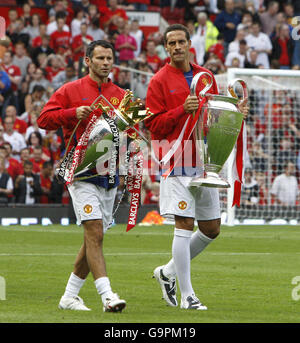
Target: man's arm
57 112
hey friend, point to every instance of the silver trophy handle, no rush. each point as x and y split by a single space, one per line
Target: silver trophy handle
195 82
230 88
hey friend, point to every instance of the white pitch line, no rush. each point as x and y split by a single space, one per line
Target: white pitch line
153 253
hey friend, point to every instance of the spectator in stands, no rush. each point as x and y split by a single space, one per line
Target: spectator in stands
37 41
126 45
227 22
25 156
19 125
280 21
33 127
64 76
27 186
26 15
53 65
285 189
16 139
79 18
284 153
33 29
247 21
31 68
122 80
12 166
21 59
251 61
260 42
138 35
151 56
52 26
12 21
13 71
240 34
110 15
283 47
34 98
93 13
268 18
141 82
204 27
43 48
60 40
218 48
46 176
80 42
214 64
250 189
20 34
41 154
241 55
6 183
288 9
54 143
205 34
95 31
38 79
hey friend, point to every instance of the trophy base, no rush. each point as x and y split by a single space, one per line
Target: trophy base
211 180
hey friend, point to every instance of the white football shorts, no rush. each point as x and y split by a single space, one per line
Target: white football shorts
201 203
92 202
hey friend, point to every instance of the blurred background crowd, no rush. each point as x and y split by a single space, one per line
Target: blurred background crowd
45 44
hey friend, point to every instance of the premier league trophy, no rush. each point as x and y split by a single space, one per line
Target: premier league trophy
102 139
217 129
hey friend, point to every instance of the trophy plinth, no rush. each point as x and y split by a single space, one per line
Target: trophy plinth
211 180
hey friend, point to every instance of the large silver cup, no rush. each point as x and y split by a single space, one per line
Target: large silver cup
100 141
217 130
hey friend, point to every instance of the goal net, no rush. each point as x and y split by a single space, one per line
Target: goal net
272 167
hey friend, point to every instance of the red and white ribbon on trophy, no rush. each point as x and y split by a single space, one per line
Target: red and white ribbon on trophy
134 185
238 165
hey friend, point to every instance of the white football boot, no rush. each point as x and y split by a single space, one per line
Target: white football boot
168 286
75 303
191 302
113 303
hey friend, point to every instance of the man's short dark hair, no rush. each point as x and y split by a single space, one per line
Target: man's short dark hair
176 27
92 46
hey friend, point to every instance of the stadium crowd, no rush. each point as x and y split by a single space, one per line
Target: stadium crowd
42 52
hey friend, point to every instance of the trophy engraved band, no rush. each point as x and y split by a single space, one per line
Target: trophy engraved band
217 130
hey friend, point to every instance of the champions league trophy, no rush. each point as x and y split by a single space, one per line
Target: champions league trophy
102 138
217 130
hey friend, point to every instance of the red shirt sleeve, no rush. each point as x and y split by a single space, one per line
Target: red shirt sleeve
55 113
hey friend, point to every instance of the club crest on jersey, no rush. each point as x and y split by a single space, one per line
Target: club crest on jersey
88 209
114 101
182 205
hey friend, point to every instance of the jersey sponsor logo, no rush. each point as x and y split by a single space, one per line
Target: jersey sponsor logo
88 209
114 101
182 205
172 90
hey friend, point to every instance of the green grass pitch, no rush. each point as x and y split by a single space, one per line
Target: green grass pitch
245 276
